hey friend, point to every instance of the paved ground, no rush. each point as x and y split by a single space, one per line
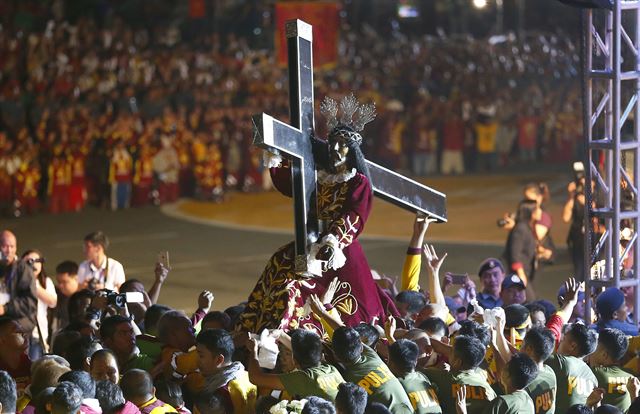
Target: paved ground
224 247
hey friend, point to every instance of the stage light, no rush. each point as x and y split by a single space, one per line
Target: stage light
590 4
480 4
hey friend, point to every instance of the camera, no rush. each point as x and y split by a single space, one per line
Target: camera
121 299
503 221
31 261
578 176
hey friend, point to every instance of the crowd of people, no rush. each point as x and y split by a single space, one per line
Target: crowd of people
94 341
118 115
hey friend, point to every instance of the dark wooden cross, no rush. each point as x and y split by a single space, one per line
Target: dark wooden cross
294 142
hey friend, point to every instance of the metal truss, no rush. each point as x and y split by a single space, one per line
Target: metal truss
612 127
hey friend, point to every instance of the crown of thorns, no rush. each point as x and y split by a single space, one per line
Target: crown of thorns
353 117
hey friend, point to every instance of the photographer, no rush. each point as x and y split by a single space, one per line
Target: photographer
538 192
16 277
99 271
542 228
44 291
521 248
573 213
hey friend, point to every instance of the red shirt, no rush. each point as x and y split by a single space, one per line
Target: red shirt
555 324
453 133
22 373
527 132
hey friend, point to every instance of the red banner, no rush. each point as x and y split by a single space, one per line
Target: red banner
323 16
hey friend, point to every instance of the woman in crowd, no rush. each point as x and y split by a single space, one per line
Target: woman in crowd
44 290
521 248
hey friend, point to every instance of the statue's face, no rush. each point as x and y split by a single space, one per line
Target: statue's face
338 151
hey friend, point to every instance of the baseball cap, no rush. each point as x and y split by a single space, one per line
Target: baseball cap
516 316
513 280
489 264
609 301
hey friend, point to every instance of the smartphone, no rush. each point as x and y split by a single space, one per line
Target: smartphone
134 297
459 279
163 258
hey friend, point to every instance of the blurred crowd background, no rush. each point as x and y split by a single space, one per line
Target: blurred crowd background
120 103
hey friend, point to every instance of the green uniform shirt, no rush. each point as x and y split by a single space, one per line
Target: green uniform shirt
575 381
422 394
517 403
372 374
322 381
149 348
614 382
138 361
542 391
479 392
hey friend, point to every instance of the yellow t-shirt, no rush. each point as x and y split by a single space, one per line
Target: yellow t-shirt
486 137
243 394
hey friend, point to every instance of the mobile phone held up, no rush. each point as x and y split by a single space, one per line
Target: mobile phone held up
163 259
459 279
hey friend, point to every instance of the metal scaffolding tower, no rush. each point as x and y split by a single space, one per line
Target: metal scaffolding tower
611 88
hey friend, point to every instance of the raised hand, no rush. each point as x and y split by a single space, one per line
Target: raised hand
421 223
205 300
433 260
572 287
633 386
501 323
447 281
390 328
252 345
161 272
595 398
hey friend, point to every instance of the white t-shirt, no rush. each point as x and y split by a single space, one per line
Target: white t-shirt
41 314
114 273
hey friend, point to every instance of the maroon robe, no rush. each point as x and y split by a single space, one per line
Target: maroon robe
277 300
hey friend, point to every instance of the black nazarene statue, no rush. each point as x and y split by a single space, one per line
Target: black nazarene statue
344 196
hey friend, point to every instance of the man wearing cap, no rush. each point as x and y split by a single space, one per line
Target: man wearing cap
517 323
513 290
491 275
612 311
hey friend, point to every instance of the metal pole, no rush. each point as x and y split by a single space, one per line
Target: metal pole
636 174
587 93
499 16
614 167
605 149
521 18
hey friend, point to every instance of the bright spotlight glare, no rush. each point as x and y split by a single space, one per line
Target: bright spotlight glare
480 4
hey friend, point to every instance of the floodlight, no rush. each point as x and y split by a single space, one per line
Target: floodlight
480 4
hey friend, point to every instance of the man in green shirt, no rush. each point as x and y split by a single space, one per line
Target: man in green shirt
118 335
466 356
403 358
605 363
575 378
311 377
364 367
518 373
148 343
538 344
